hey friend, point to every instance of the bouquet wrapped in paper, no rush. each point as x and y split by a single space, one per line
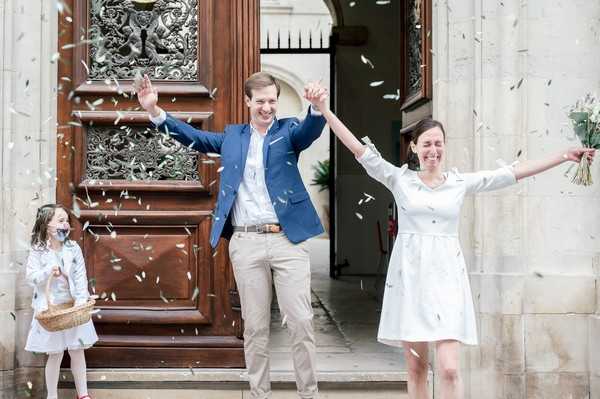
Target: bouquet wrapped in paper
585 116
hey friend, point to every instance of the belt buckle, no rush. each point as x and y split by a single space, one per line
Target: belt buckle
261 228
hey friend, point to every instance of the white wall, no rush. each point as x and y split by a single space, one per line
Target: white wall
28 39
534 249
294 16
294 71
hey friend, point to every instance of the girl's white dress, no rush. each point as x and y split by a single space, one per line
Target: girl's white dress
39 267
427 294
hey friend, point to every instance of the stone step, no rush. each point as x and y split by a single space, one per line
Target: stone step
229 384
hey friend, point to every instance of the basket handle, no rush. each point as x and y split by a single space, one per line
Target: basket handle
48 283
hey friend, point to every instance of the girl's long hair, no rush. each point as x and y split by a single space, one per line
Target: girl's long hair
39 234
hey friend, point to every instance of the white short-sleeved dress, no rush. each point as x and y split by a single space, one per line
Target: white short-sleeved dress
427 294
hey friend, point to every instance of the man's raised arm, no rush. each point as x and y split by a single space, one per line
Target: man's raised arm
199 140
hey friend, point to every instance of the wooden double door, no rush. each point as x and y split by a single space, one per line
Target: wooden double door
141 202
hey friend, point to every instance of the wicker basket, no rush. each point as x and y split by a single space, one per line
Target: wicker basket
63 316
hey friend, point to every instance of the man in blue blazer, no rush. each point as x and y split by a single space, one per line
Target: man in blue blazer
263 208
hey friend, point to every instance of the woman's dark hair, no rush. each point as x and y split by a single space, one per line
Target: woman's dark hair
421 127
39 234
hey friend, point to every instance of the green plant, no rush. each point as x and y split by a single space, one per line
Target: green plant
321 177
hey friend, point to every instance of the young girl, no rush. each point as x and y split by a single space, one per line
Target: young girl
52 253
427 295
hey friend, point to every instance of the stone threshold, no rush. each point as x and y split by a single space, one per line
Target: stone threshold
183 378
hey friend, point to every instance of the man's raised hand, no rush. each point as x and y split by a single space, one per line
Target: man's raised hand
148 97
316 94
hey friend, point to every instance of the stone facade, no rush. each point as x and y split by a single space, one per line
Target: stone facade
28 42
505 74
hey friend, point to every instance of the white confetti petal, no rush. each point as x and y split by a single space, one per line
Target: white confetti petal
365 60
376 83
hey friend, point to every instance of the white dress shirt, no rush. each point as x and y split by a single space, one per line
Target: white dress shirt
252 203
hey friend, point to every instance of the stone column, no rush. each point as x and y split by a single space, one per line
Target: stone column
28 41
505 73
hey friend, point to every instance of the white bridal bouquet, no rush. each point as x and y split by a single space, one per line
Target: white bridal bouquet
585 116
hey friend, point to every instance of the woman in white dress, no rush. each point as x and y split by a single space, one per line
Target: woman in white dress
52 253
427 296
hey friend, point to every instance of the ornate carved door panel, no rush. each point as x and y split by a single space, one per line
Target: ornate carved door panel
143 201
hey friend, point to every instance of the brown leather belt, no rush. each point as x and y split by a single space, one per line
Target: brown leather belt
259 228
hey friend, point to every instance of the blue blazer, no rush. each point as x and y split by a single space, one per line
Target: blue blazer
282 146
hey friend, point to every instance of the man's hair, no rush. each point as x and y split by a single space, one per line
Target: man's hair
260 80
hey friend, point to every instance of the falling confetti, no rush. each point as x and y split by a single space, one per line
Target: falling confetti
189 276
376 83
165 300
365 60
87 70
358 215
414 352
395 97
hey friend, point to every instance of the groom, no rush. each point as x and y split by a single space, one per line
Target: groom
263 208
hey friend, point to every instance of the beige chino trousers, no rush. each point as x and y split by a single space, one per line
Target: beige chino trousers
259 260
